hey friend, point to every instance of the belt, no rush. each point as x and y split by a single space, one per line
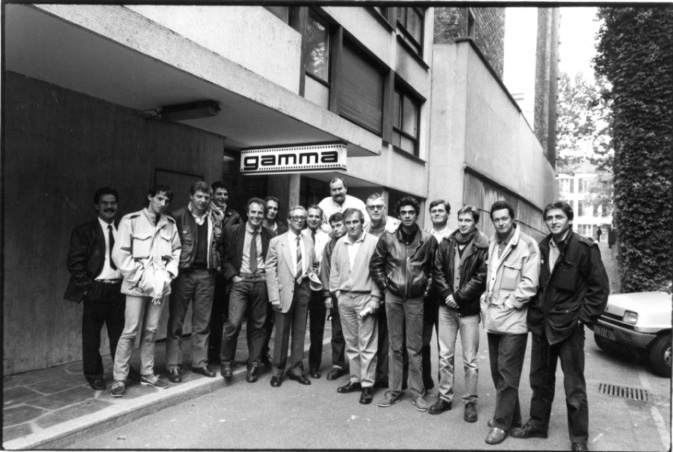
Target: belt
252 275
108 281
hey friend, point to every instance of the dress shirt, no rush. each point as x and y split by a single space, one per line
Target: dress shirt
329 207
440 234
292 241
245 258
108 272
353 248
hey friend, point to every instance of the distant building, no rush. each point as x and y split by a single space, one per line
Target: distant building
588 216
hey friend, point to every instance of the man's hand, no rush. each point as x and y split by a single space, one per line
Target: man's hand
328 302
236 279
450 302
276 305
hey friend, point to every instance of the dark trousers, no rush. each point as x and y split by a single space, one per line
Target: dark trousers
316 317
543 379
291 323
218 315
268 329
506 354
103 305
247 297
430 322
338 341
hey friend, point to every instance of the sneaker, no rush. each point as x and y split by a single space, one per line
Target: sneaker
421 404
388 400
153 380
118 389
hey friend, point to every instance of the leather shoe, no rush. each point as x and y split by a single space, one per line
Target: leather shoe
496 436
97 384
265 360
439 407
252 375
528 431
226 371
491 423
299 378
314 373
470 414
174 376
579 446
366 397
276 381
335 373
204 370
350 387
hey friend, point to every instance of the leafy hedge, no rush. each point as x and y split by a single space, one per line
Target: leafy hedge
635 55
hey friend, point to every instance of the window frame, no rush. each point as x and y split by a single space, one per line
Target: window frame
312 13
401 91
402 28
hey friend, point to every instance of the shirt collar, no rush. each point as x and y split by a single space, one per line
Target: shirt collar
360 240
104 224
562 242
191 210
250 229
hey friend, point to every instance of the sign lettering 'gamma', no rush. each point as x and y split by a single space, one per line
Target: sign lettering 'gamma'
294 159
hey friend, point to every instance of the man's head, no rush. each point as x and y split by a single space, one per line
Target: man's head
354 220
376 208
439 212
559 218
313 217
220 193
159 198
338 189
336 222
272 206
255 212
468 217
296 219
105 203
407 210
502 216
199 196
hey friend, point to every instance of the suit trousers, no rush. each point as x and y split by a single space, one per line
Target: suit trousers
218 316
405 322
544 357
316 318
291 323
197 286
247 297
361 337
103 305
506 354
338 341
430 323
140 312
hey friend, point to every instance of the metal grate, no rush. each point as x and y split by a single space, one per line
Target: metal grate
623 392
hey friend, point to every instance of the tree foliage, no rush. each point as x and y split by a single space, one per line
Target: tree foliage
634 56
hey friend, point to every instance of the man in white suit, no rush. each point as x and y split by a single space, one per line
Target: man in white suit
290 260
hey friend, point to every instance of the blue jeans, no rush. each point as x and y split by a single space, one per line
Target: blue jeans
405 319
140 311
506 353
361 337
450 323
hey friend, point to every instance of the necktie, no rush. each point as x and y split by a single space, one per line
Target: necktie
253 252
111 239
313 235
300 267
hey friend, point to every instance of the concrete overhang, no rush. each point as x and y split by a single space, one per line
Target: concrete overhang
112 53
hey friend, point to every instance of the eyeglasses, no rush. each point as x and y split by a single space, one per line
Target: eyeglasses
298 218
376 207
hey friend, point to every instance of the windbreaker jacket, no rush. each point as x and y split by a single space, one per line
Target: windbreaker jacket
189 238
514 278
577 288
471 271
147 255
405 271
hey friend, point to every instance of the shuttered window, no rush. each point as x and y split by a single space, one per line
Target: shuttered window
360 96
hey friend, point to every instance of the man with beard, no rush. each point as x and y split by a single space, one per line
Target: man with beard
459 276
339 201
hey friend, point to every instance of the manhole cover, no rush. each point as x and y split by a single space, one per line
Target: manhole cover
623 392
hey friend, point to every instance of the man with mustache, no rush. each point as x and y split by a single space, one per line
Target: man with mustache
339 201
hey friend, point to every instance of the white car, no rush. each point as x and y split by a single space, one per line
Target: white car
640 321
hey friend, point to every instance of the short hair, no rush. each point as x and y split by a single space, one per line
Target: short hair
564 206
200 186
314 207
219 184
472 210
161 188
374 197
336 217
336 178
272 198
256 200
104 191
351 210
437 202
407 201
295 207
499 205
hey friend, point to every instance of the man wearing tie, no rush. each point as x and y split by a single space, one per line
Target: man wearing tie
291 258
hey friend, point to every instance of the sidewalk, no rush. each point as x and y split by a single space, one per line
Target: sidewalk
45 407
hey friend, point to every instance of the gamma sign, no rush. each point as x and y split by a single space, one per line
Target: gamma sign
294 159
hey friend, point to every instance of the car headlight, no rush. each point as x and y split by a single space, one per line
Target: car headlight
630 317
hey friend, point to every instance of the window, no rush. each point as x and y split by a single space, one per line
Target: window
580 209
281 12
317 60
572 185
564 185
410 24
581 185
406 116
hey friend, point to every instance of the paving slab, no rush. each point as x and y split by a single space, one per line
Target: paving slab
20 414
17 395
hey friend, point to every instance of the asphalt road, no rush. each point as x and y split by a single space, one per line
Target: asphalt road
257 416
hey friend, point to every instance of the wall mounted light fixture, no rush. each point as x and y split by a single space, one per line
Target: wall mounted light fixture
191 110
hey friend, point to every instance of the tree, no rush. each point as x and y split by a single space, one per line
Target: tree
634 57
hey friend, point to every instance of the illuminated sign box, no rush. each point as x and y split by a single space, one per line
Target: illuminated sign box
294 159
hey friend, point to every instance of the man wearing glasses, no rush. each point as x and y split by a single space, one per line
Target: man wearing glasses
290 260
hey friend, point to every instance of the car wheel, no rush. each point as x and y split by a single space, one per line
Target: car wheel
660 356
603 343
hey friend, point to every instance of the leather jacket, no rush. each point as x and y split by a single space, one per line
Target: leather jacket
187 228
404 270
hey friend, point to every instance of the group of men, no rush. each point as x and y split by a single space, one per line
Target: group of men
385 283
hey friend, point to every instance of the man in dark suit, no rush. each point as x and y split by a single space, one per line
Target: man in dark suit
246 247
96 281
